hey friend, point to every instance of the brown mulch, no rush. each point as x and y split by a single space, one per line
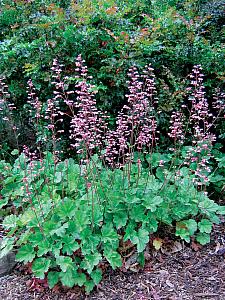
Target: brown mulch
188 274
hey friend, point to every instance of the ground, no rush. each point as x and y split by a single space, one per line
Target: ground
181 272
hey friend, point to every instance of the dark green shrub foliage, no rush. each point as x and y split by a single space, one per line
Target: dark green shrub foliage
112 36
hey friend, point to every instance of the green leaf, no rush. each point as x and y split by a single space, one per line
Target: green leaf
6 246
66 209
141 239
89 285
44 247
205 226
141 259
68 278
15 152
70 245
96 276
51 227
138 213
46 207
65 263
24 238
27 217
153 184
203 238
60 231
58 177
216 179
160 174
130 231
98 215
73 175
152 223
221 210
82 219
182 231
40 266
152 203
208 206
53 278
110 236
90 261
25 254
113 258
214 218
89 244
10 222
36 238
181 210
56 248
4 201
191 225
80 279
120 218
221 163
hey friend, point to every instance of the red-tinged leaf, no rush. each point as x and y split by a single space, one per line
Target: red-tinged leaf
56 289
195 246
112 10
148 267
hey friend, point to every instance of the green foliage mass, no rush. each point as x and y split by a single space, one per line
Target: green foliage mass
111 36
68 225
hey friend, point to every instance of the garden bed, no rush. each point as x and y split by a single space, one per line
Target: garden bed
187 274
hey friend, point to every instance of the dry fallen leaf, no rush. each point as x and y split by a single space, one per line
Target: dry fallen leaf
195 246
132 264
171 248
157 243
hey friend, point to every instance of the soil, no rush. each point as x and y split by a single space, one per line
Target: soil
176 272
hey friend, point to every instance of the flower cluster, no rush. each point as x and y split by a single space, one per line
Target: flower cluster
177 127
33 100
53 113
219 103
61 92
136 123
200 118
88 125
6 106
30 156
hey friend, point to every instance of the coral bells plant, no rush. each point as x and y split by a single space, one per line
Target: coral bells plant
88 125
6 106
201 121
177 124
71 219
136 122
7 121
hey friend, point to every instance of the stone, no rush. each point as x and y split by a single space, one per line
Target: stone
7 263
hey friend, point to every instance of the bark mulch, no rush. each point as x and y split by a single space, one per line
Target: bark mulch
183 273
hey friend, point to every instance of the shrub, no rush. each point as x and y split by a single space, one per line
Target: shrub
112 36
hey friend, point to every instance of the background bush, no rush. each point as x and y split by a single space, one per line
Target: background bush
111 35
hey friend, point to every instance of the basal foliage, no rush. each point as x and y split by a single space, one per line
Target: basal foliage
70 217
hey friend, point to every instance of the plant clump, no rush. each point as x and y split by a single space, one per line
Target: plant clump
72 217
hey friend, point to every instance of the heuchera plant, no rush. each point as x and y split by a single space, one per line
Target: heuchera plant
72 216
